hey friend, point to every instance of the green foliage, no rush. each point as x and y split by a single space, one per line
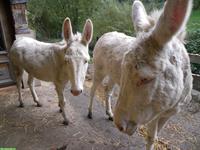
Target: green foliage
194 22
193 42
113 16
150 5
196 4
193 46
46 16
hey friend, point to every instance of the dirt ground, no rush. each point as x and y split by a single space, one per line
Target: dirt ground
40 128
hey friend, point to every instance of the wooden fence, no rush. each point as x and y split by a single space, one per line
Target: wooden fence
195 58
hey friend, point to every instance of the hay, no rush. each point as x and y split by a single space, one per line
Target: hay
74 135
142 131
159 144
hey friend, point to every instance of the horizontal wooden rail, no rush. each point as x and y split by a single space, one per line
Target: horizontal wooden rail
196 82
195 58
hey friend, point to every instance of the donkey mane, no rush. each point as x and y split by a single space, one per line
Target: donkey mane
77 37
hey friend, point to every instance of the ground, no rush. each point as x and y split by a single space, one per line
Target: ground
40 128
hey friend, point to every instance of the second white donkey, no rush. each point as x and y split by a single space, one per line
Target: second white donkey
54 62
107 58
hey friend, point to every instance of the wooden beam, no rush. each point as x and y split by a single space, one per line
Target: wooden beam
194 58
196 82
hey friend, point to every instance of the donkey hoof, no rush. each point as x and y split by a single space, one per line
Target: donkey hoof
21 105
90 115
39 105
110 118
65 123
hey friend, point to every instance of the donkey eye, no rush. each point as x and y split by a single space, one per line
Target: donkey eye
136 66
85 62
67 61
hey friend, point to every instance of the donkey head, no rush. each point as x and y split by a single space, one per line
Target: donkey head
152 76
76 54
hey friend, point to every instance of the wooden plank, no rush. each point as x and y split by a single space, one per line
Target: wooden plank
195 58
3 59
196 82
3 52
6 83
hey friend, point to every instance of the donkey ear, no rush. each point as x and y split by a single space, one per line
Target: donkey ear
67 29
172 21
140 17
87 32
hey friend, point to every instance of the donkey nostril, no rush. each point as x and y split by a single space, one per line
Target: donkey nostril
119 127
71 91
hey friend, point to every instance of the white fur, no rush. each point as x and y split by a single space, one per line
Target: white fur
107 57
153 70
55 62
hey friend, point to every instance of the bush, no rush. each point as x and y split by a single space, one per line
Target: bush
193 42
46 16
113 16
193 46
196 4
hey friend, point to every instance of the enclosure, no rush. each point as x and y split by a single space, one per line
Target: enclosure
38 128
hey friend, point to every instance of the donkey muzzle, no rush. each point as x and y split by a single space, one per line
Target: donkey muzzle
76 92
127 128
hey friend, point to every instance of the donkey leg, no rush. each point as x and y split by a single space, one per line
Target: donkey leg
59 107
163 119
18 75
152 134
32 89
108 96
97 79
155 126
61 98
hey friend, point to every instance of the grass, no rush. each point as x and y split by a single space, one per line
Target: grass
194 22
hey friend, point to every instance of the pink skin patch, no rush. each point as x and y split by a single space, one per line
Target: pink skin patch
178 16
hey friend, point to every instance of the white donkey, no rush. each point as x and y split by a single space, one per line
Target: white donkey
107 58
57 63
156 76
